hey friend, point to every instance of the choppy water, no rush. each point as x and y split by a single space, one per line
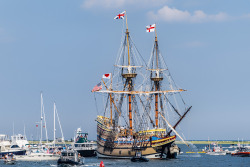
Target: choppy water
185 159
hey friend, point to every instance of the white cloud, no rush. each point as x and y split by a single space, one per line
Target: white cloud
121 3
174 15
247 16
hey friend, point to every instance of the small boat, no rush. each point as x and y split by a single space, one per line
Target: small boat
241 152
217 150
38 155
139 158
83 146
10 159
69 157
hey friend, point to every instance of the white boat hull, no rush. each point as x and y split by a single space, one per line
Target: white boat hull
38 157
216 153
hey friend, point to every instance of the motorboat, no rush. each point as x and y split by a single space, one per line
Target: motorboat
70 157
217 150
241 152
139 158
7 148
19 140
83 146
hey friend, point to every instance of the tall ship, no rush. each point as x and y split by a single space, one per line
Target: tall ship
141 104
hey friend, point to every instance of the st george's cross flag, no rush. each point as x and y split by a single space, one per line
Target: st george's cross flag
150 28
120 15
106 76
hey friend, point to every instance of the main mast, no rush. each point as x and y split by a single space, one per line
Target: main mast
129 76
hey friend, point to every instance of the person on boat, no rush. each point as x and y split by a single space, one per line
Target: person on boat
12 156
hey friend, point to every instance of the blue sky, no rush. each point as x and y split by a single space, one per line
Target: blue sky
63 47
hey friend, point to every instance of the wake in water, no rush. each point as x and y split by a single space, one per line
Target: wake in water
193 151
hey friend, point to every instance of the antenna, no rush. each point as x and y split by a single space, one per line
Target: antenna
13 128
24 131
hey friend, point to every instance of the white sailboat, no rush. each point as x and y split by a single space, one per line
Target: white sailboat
39 154
56 114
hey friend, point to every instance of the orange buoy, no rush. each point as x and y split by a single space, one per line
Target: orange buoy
101 164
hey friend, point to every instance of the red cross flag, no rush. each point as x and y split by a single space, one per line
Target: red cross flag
150 28
120 16
106 76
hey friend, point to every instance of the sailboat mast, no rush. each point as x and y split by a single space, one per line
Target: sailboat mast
41 118
59 122
54 123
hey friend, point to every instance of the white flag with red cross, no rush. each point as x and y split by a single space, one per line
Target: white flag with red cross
150 28
120 15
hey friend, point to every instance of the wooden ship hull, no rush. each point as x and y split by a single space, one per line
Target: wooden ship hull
112 144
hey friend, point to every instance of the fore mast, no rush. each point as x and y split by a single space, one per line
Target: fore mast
156 77
156 67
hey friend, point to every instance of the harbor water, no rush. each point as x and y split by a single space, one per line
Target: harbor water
185 159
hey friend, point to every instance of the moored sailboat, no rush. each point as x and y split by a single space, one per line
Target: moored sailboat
131 128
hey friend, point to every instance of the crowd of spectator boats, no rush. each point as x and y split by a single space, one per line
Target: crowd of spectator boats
241 150
19 149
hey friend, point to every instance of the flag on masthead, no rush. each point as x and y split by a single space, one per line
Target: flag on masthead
120 15
106 76
150 28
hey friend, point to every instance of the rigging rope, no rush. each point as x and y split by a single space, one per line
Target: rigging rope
96 104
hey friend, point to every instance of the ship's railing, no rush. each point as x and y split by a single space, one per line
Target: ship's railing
85 148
